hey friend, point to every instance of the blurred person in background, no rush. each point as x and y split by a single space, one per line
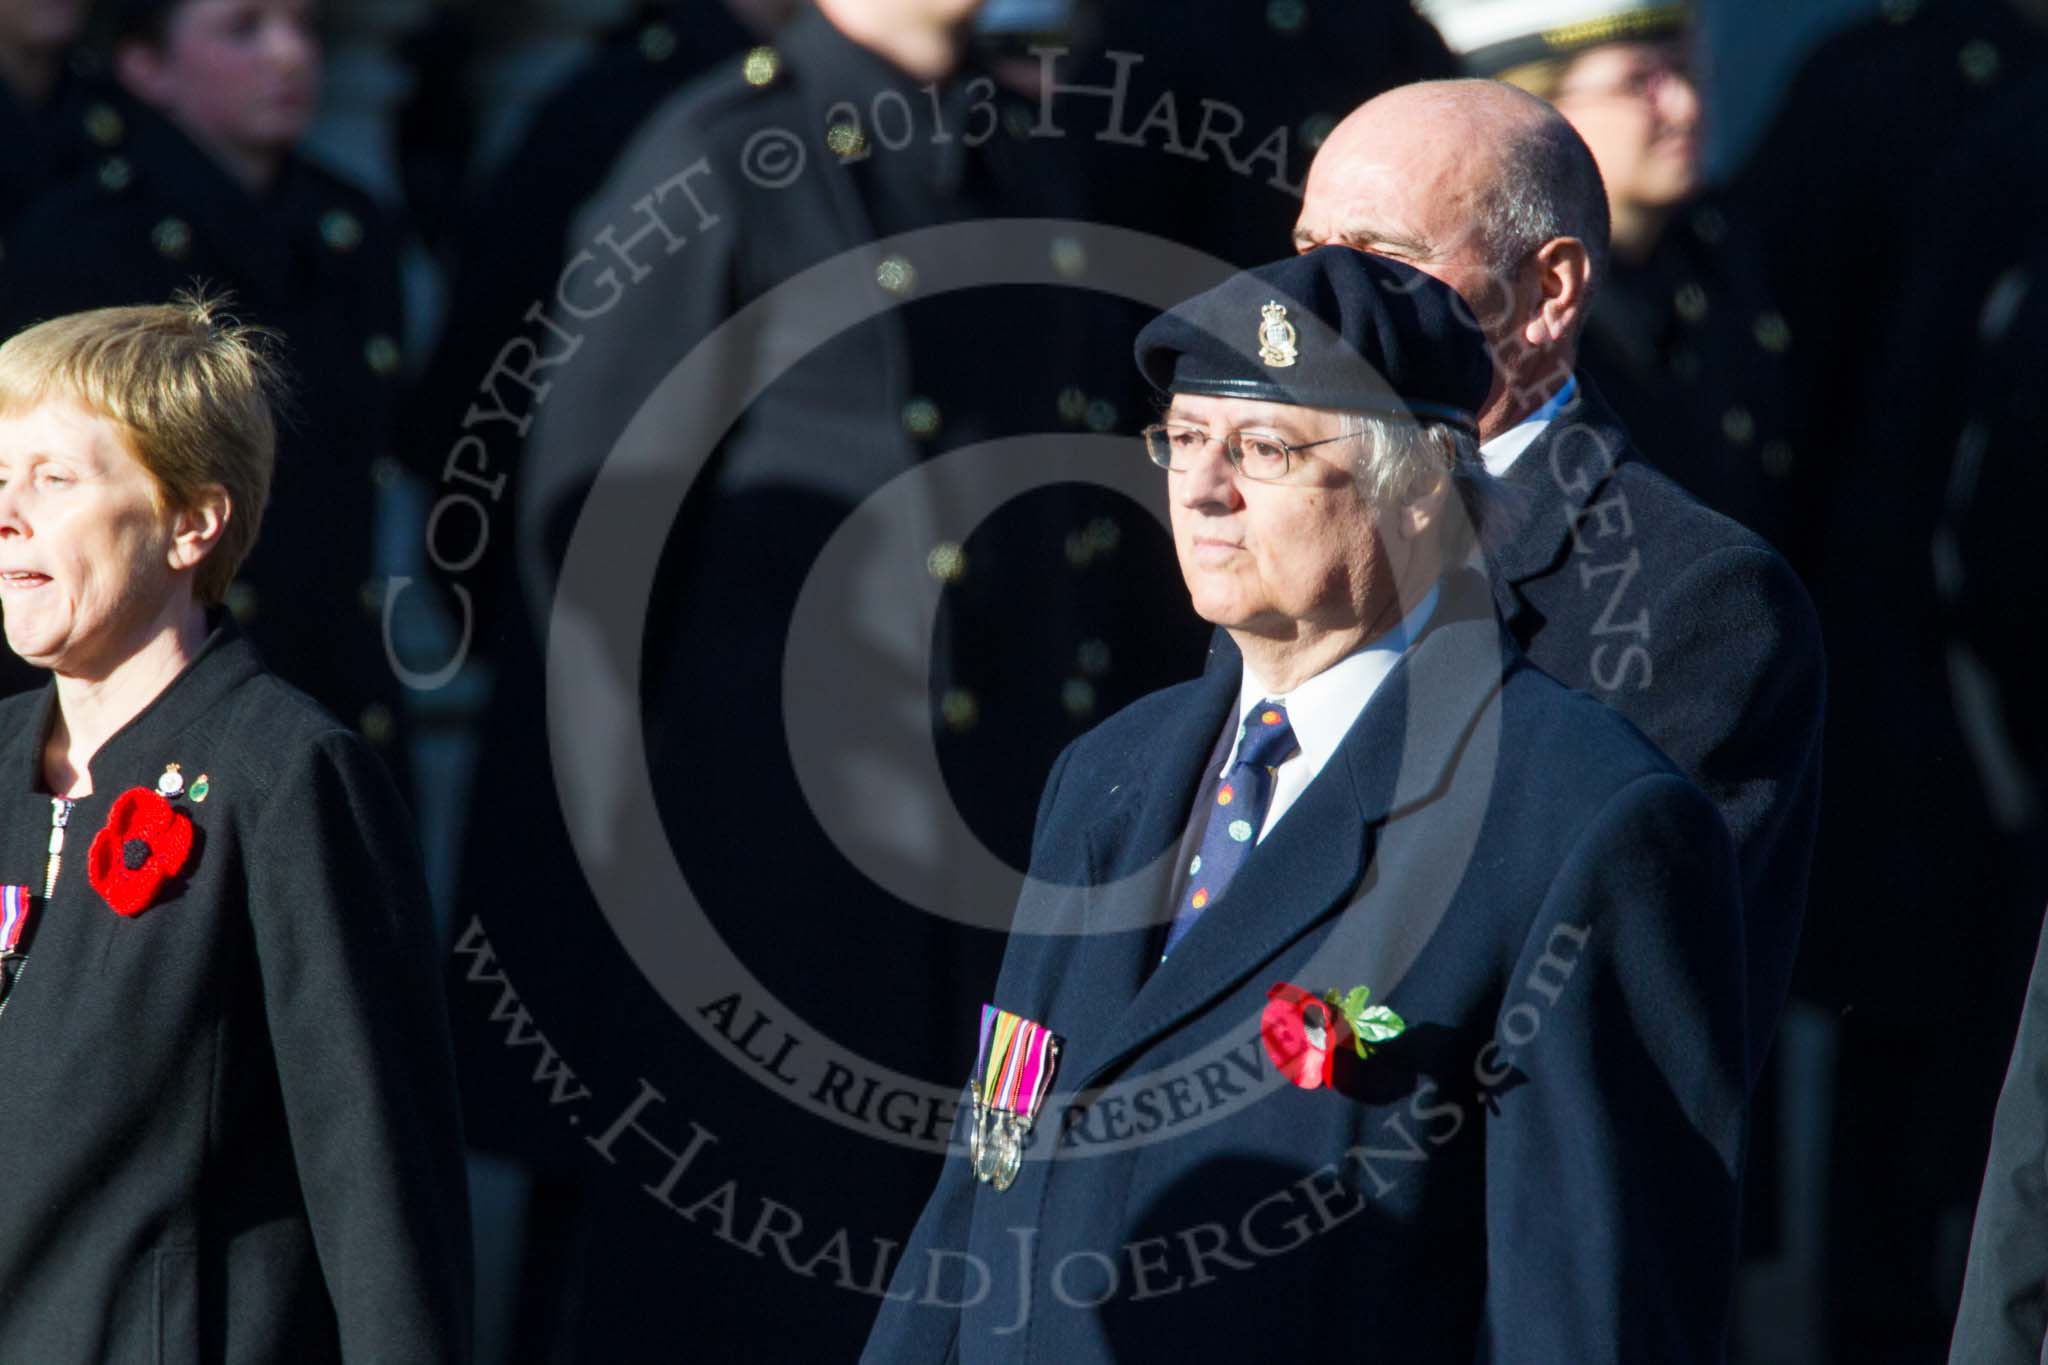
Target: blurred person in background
1895 218
1045 621
207 185
1681 337
55 114
1617 581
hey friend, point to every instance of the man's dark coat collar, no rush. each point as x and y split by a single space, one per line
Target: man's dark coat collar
1308 865
1561 472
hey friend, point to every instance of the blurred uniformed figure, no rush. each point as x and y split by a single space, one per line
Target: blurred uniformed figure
508 242
1054 611
55 113
1911 257
55 116
206 186
1220 108
1683 340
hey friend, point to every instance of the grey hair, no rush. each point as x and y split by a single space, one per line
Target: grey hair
1545 185
1404 460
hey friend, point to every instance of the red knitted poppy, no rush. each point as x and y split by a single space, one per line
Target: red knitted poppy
144 844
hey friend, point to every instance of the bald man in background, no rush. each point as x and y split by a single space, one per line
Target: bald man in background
1617 582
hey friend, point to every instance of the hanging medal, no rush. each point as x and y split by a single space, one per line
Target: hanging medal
16 907
1012 1074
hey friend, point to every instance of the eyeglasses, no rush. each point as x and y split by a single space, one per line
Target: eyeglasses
1176 446
1645 83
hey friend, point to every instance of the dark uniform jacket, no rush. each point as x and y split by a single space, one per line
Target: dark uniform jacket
229 1120
1047 620
1620 584
314 259
2004 1314
1542 1169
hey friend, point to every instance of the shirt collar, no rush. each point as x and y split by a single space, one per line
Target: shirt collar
1322 710
1502 451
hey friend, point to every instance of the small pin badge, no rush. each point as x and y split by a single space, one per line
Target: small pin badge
1012 1074
1276 336
172 783
200 787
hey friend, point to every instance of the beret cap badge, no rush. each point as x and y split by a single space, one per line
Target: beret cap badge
1276 336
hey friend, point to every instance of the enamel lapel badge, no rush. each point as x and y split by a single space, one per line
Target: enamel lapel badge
1012 1073
1276 336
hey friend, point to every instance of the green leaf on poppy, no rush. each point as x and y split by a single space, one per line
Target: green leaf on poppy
1355 1000
1376 1025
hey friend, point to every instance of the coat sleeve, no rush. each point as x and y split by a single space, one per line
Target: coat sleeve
2004 1317
1614 1136
1736 700
345 949
920 1319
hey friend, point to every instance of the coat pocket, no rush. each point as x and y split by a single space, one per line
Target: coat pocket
177 1306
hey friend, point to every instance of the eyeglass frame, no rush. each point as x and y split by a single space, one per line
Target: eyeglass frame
1232 448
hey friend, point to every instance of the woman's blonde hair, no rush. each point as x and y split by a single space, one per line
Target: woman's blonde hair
193 391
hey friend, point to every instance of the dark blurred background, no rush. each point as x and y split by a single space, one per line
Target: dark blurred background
1829 329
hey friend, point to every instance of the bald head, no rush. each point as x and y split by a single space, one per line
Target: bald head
1487 188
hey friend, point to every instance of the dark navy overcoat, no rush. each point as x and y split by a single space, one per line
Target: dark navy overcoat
1543 1168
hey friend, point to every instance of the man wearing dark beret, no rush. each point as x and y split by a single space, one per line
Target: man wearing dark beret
1373 996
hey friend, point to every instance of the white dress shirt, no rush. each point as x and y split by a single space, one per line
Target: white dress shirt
1499 454
1322 710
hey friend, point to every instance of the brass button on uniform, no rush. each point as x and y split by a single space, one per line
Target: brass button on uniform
1710 225
115 173
1738 426
846 141
1069 257
240 600
1776 458
341 230
1773 333
921 418
1101 415
377 724
959 710
1093 657
1979 62
947 562
1286 16
384 471
1690 301
1073 405
1315 129
657 42
1078 697
103 124
382 355
760 66
896 275
173 238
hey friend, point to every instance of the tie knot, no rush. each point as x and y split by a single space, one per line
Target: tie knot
1268 738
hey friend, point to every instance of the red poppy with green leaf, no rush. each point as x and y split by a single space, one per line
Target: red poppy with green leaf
1302 1032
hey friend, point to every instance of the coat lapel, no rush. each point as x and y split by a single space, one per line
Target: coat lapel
1554 480
1397 756
1091 947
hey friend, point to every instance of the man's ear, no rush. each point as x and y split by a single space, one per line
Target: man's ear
1419 512
1560 276
196 529
142 71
